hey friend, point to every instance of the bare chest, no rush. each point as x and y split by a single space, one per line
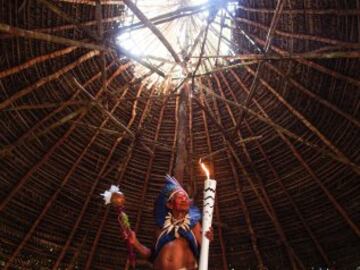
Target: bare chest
175 255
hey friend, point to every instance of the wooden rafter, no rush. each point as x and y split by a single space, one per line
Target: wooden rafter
275 174
80 25
93 3
54 8
335 54
269 36
34 86
36 60
153 29
181 133
323 69
265 202
292 202
160 19
301 57
118 182
285 131
341 44
15 31
307 123
43 160
23 138
63 182
244 209
304 11
93 187
296 153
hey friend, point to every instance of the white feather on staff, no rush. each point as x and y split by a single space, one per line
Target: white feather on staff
108 193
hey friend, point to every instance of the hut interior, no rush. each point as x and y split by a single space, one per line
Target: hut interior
95 93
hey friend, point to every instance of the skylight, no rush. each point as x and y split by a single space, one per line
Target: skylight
185 30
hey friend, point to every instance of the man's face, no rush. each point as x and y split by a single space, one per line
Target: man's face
180 202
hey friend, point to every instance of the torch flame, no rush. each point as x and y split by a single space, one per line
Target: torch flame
206 170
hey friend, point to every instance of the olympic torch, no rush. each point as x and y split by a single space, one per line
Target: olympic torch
208 208
116 198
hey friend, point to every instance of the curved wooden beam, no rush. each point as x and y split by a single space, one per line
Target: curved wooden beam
153 29
118 182
63 182
316 66
25 91
20 140
42 161
15 31
95 183
265 202
269 37
36 60
92 2
306 122
342 44
305 11
275 174
331 198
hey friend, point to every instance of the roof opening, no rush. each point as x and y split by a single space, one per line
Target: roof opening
188 26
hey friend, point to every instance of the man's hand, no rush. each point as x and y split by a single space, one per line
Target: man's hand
131 237
210 234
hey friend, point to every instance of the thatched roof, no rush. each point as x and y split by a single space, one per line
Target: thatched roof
277 120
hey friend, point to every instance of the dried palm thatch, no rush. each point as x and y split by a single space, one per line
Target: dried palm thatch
267 92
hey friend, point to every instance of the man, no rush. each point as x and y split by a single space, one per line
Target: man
178 237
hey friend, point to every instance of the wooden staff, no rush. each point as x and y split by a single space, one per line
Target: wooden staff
116 198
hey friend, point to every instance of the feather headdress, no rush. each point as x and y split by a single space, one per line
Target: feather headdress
171 187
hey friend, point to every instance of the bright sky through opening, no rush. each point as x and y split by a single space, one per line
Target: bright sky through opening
181 32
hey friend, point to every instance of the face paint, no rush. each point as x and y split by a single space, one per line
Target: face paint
180 202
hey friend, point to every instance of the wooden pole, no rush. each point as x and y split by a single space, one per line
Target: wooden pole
308 124
92 3
254 84
181 133
296 153
119 179
44 159
7 102
15 31
153 28
297 210
36 60
305 11
65 179
55 9
286 132
262 197
336 54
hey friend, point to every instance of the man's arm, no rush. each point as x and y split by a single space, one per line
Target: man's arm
197 232
144 251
